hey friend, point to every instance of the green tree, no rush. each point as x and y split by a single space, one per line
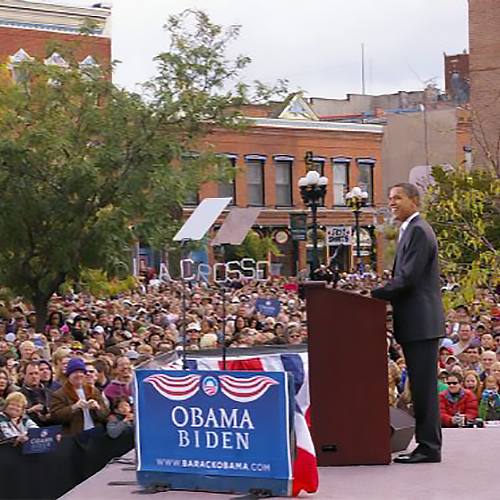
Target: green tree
86 168
253 247
464 210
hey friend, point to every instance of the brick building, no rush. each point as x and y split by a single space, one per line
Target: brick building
269 157
457 77
484 42
27 28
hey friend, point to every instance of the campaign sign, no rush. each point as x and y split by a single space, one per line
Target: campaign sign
220 431
268 307
42 439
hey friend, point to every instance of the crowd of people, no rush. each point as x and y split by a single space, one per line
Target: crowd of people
77 370
468 368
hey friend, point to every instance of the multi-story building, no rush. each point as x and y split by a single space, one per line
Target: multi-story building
484 42
457 77
269 160
421 128
27 29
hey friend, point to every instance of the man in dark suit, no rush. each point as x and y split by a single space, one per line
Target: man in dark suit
415 294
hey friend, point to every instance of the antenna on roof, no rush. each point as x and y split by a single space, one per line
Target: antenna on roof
363 88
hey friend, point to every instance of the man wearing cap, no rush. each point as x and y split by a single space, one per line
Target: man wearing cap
77 406
415 294
193 333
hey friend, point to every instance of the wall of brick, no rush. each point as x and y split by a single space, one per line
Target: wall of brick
35 43
484 40
295 142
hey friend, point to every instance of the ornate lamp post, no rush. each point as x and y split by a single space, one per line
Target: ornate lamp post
357 199
313 190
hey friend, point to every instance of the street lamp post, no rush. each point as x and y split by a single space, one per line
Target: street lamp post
357 199
313 190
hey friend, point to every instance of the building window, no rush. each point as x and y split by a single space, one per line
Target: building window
57 60
193 197
88 63
365 179
18 75
284 168
255 179
227 188
340 180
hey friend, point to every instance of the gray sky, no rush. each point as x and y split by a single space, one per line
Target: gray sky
315 44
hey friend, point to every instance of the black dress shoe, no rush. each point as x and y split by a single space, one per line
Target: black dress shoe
418 457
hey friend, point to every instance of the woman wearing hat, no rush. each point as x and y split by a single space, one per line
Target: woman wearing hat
77 406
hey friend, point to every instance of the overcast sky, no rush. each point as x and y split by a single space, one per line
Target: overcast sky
315 44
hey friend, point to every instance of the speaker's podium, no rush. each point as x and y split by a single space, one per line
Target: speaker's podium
348 377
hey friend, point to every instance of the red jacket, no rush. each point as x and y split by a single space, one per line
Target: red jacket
466 405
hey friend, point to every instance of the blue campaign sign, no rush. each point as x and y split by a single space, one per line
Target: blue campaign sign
42 439
268 307
214 430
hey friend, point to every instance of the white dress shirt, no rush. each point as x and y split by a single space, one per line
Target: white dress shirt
405 224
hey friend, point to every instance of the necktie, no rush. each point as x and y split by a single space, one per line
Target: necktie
401 233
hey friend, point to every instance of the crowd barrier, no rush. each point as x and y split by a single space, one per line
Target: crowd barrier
50 475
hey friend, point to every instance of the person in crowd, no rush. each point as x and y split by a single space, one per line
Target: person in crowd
473 356
293 334
103 370
121 418
487 359
5 387
26 350
405 401
37 395
60 360
47 376
239 324
444 353
121 385
208 341
495 371
442 377
472 382
489 406
464 338
457 405
77 406
14 423
54 321
279 330
487 342
193 333
394 379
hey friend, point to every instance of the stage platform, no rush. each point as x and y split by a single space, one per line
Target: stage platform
469 471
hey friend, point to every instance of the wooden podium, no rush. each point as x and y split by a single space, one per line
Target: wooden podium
348 377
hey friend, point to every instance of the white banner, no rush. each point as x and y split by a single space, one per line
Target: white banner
338 235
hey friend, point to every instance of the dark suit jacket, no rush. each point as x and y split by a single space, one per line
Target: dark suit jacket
414 290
